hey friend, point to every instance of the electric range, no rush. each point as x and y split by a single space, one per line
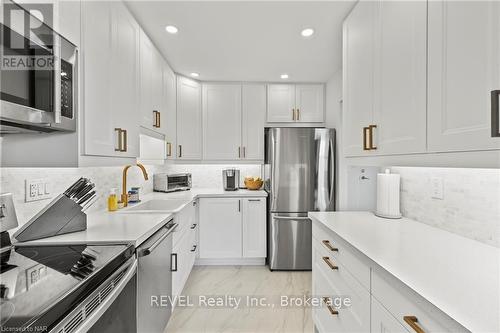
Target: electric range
40 285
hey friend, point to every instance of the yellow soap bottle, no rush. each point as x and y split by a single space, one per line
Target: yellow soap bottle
112 200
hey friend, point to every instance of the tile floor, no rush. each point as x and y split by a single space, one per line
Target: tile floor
240 282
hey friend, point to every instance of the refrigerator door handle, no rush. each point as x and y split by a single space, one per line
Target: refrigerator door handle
331 172
276 217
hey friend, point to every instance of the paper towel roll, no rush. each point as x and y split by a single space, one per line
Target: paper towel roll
388 195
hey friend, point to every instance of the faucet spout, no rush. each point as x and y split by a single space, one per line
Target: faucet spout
124 196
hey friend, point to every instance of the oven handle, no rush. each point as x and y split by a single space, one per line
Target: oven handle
97 313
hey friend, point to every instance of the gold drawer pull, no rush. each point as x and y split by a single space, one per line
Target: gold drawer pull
333 312
329 263
329 245
412 321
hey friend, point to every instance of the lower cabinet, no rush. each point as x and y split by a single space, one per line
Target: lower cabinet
382 321
232 228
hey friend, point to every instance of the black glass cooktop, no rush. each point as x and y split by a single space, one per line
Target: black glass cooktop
40 284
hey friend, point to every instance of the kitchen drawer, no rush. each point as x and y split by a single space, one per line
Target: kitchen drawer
185 219
185 253
401 302
339 282
344 253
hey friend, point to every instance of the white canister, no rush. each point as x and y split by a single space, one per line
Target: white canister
388 195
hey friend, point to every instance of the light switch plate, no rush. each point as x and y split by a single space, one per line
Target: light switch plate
37 189
437 188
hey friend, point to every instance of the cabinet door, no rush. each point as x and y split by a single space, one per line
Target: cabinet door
188 119
100 137
309 102
358 54
254 228
125 77
169 118
253 112
146 68
280 103
464 66
158 101
400 77
222 122
382 321
220 228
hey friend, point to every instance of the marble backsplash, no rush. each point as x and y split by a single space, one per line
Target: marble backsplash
470 205
13 180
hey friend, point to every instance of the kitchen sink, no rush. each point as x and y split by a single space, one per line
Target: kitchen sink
156 206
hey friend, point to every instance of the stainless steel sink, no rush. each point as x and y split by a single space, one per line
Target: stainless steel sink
156 206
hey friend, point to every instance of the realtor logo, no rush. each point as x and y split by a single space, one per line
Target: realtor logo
27 39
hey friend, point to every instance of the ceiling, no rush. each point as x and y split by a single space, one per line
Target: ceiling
247 41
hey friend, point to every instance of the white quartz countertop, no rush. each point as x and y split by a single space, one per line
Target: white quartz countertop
456 274
105 227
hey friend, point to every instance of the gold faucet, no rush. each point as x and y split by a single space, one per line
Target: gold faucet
124 196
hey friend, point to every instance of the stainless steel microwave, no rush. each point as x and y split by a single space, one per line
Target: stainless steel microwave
39 83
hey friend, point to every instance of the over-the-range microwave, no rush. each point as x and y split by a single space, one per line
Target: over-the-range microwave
39 83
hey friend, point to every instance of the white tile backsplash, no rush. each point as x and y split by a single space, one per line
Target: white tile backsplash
470 206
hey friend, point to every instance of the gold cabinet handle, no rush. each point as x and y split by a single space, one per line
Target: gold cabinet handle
180 150
329 245
330 263
293 114
333 312
155 118
120 141
413 322
298 114
244 152
370 137
158 114
124 141
239 152
366 133
169 149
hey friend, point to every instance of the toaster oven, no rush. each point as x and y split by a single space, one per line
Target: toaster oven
163 182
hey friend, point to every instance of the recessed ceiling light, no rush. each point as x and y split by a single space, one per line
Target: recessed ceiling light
284 76
194 74
171 29
308 32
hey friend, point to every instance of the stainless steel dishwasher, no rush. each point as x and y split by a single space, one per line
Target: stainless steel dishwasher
154 280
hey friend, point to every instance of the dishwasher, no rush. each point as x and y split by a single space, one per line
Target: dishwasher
154 280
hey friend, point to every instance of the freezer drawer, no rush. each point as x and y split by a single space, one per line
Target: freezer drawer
289 241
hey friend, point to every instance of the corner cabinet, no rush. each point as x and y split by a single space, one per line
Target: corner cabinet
290 103
232 228
110 53
189 127
462 75
385 78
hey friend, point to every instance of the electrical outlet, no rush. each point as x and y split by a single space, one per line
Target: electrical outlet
437 188
37 189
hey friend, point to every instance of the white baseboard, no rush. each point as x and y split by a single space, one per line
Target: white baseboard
230 261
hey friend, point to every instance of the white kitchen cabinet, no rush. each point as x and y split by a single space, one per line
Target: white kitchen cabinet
254 227
221 121
295 103
220 228
463 67
385 80
309 103
189 127
382 321
253 113
358 57
169 121
146 89
110 43
280 103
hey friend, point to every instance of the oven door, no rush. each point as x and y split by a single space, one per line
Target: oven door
38 71
110 308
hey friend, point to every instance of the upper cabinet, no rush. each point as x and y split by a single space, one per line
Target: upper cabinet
233 121
110 70
295 103
384 78
188 119
146 68
462 75
169 123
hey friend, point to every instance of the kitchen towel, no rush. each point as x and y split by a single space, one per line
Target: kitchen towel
388 195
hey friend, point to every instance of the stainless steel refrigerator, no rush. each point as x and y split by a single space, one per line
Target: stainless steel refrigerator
299 173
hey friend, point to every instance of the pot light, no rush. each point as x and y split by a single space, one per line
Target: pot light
171 29
308 32
194 74
284 76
